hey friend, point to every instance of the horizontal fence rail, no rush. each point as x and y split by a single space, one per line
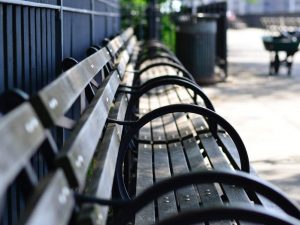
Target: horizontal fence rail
36 35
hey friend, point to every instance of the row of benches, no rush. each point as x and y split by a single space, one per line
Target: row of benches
127 136
279 25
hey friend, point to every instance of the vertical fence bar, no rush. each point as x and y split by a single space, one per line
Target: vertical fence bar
49 52
9 46
60 35
44 73
26 56
18 53
32 47
2 81
53 44
92 22
38 47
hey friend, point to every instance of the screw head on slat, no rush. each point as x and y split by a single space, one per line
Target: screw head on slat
53 103
31 125
79 161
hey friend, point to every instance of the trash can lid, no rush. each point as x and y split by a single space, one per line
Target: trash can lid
207 16
186 18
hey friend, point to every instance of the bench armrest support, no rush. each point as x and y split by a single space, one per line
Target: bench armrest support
225 177
245 165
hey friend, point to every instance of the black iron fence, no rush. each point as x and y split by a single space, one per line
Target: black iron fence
36 35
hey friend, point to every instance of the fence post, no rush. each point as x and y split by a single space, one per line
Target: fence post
153 20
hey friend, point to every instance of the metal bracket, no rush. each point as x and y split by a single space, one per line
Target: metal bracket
68 63
122 122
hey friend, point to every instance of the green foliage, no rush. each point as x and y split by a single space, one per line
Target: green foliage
252 1
133 14
135 3
168 31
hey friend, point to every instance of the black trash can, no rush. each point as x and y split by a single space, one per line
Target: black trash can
196 45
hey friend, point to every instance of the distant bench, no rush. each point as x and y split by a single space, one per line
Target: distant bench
112 127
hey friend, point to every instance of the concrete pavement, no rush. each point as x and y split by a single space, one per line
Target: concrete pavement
264 109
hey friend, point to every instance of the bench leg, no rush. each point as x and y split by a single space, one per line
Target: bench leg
276 63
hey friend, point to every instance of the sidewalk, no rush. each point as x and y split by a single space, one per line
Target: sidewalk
264 109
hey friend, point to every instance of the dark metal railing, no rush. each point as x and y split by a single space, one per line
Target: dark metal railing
36 35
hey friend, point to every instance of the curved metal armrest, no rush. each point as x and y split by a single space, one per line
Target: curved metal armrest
245 165
145 57
236 212
170 80
203 177
154 45
86 199
173 65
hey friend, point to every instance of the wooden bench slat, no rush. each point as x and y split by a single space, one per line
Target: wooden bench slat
230 146
183 127
58 96
145 132
144 180
217 159
102 168
80 146
52 203
207 192
170 128
186 197
158 133
166 204
128 33
21 133
122 63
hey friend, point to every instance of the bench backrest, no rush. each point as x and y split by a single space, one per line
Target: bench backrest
29 153
28 190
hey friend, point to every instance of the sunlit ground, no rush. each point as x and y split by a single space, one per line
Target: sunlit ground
264 109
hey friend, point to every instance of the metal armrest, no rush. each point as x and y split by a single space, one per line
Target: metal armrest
153 46
203 177
169 80
155 55
245 165
173 65
236 212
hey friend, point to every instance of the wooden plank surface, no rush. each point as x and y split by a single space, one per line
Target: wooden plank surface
144 180
209 194
71 84
166 204
187 197
78 150
52 202
21 133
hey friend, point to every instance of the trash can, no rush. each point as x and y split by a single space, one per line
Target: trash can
196 45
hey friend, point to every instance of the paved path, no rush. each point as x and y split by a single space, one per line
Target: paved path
264 109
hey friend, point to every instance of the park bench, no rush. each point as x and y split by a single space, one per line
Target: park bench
70 152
